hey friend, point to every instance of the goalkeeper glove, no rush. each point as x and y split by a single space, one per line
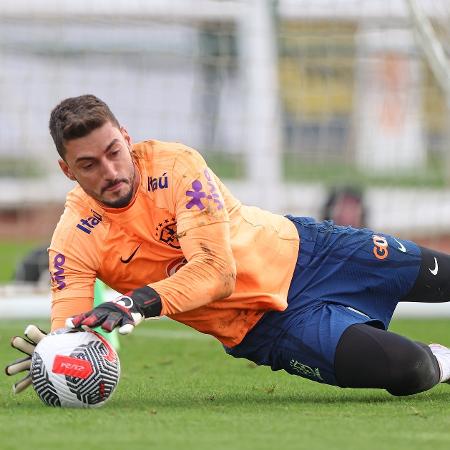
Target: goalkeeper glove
124 312
33 335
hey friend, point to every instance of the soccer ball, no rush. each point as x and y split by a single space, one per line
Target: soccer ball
76 369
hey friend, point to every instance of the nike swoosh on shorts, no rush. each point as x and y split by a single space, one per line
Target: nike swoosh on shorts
401 247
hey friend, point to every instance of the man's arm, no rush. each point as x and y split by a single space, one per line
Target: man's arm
73 265
203 228
210 274
62 308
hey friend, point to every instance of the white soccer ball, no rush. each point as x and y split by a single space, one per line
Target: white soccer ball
76 369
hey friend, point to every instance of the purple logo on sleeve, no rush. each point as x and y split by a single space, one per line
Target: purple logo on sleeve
213 189
58 275
197 194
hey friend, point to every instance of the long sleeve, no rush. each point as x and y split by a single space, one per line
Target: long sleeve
209 275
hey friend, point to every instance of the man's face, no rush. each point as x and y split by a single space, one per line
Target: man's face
101 163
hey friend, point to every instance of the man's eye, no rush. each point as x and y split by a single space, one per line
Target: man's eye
87 166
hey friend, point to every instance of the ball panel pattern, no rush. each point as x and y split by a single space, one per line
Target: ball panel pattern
101 383
41 382
75 369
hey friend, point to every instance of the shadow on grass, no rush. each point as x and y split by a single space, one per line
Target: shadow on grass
306 399
185 400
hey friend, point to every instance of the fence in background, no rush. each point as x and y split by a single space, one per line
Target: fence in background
286 99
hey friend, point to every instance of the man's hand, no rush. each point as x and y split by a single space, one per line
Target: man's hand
124 312
121 312
33 335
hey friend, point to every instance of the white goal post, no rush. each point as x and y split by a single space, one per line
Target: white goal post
313 79
431 45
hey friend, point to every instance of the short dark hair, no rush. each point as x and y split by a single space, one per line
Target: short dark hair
76 117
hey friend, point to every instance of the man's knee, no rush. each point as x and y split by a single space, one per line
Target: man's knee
412 371
373 358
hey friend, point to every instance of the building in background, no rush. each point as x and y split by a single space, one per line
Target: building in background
284 98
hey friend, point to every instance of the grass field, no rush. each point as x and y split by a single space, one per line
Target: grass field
11 253
333 172
179 390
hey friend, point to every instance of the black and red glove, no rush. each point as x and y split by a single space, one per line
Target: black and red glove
124 312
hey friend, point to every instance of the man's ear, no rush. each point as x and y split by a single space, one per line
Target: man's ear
125 134
66 170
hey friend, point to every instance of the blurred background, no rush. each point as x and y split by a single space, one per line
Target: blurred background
327 108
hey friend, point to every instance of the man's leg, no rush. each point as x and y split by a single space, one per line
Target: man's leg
432 284
367 357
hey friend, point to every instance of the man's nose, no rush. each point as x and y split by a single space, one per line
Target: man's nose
109 170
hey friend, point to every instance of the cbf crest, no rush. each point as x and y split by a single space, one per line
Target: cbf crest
166 232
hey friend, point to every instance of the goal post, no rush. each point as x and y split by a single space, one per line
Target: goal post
286 99
431 46
436 55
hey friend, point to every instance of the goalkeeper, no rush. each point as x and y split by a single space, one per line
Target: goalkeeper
153 222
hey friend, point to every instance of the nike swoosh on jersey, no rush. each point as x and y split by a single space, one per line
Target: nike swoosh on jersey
402 248
126 261
436 267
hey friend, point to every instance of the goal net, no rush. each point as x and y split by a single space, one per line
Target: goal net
290 101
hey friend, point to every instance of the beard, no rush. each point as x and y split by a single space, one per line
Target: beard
123 201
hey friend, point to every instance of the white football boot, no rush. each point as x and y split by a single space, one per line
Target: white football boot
442 355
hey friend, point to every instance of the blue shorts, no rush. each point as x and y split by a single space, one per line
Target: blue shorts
343 276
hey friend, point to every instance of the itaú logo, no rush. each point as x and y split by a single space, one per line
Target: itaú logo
87 225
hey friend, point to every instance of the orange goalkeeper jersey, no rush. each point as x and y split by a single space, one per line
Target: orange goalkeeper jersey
155 241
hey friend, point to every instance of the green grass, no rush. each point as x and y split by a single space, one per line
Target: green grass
20 167
297 169
179 390
339 173
226 166
11 253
